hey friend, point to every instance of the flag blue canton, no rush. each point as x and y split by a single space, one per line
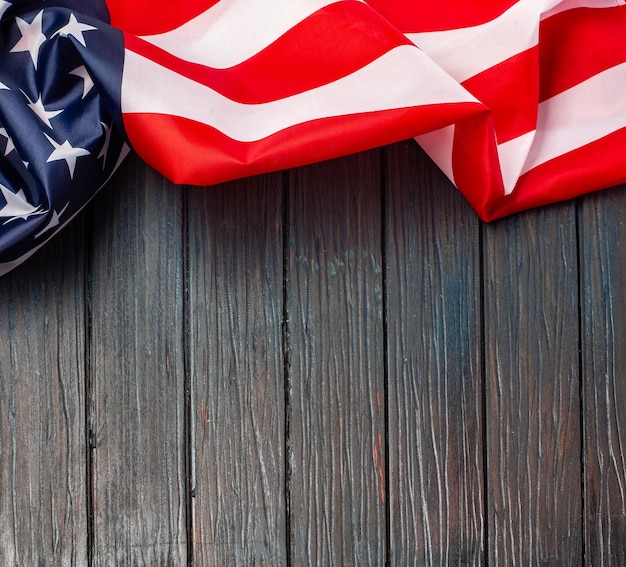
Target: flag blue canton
61 136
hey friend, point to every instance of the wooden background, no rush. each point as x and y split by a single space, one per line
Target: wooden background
335 365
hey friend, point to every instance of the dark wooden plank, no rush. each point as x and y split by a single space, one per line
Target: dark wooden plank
334 291
137 372
603 295
43 513
435 377
238 392
532 402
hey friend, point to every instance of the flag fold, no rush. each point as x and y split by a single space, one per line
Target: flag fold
519 103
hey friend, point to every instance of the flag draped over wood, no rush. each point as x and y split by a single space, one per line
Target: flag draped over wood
519 102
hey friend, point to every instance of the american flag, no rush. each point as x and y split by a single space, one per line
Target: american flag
519 102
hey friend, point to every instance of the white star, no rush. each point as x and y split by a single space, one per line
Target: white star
32 39
17 207
84 75
66 152
75 29
38 108
105 147
3 87
4 6
10 147
53 222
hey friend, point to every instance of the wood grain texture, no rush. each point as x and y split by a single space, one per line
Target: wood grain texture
435 377
137 372
334 296
42 407
289 457
603 295
532 400
238 392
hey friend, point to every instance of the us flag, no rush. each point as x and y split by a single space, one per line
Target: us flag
520 103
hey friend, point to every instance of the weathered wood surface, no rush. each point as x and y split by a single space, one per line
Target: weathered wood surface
236 368
532 403
333 365
43 477
336 375
435 375
603 333
136 374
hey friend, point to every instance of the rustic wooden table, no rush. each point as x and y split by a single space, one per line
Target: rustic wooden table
335 365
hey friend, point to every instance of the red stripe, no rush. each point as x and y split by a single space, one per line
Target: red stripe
189 152
595 166
330 44
475 162
413 16
510 89
146 17
578 44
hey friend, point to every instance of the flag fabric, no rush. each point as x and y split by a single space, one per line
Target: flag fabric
519 102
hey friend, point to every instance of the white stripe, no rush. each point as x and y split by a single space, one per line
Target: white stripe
438 145
583 114
383 84
234 30
465 52
571 4
512 157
